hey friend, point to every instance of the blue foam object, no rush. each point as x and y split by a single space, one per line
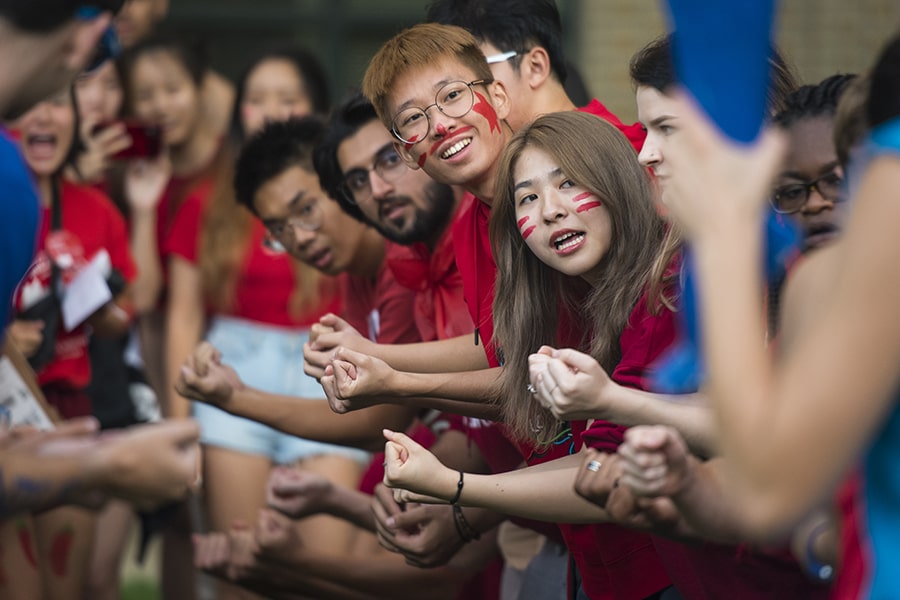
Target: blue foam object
720 50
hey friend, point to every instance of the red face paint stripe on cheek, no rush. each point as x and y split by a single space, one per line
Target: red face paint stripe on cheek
412 142
527 232
587 206
522 221
582 196
421 161
484 108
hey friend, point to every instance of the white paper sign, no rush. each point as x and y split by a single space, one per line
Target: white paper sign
18 407
87 292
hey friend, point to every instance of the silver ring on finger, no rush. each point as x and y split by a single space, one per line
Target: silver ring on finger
594 466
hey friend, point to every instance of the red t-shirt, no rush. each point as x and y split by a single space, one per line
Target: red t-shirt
94 223
477 269
379 308
440 308
266 280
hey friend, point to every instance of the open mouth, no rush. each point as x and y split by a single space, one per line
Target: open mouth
567 240
455 148
42 146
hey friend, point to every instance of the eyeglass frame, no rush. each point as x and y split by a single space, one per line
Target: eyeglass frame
808 187
500 57
292 222
382 152
425 110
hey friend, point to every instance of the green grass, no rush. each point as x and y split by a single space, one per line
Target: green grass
140 589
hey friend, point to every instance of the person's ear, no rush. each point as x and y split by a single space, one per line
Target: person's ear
405 154
534 67
499 99
83 43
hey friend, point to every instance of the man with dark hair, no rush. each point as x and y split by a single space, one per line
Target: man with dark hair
274 178
359 166
522 41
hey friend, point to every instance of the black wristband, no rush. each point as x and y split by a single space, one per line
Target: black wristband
466 532
459 487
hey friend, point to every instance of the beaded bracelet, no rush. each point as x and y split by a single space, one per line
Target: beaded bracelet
466 532
459 487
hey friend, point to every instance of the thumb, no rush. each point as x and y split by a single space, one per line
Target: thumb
347 370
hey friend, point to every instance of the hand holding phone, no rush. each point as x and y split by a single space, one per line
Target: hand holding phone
146 140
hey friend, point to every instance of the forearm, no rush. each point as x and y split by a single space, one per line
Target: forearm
443 356
544 494
313 419
705 508
183 330
472 386
148 283
690 414
34 483
352 506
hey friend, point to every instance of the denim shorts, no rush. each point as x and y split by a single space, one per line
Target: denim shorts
268 358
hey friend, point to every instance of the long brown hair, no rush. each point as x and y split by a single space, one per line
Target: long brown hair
530 295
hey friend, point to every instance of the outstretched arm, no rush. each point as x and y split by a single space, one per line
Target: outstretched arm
574 386
353 380
847 362
543 492
442 356
205 379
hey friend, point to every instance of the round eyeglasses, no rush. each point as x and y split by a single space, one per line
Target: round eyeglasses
454 99
388 165
307 216
789 199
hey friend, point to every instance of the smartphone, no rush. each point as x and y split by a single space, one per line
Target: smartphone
146 140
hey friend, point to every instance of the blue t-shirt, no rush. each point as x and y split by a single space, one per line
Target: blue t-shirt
19 220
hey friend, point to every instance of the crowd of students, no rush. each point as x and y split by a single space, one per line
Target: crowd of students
404 346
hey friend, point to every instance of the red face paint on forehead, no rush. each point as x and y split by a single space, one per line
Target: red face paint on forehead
528 230
484 108
585 206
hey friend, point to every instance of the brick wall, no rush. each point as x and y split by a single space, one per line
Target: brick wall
820 37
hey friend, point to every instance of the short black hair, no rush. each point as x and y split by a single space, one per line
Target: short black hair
39 16
348 117
270 152
510 25
884 90
309 70
653 66
810 101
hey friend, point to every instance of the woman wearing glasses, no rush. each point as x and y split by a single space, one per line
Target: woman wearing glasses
809 184
259 304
